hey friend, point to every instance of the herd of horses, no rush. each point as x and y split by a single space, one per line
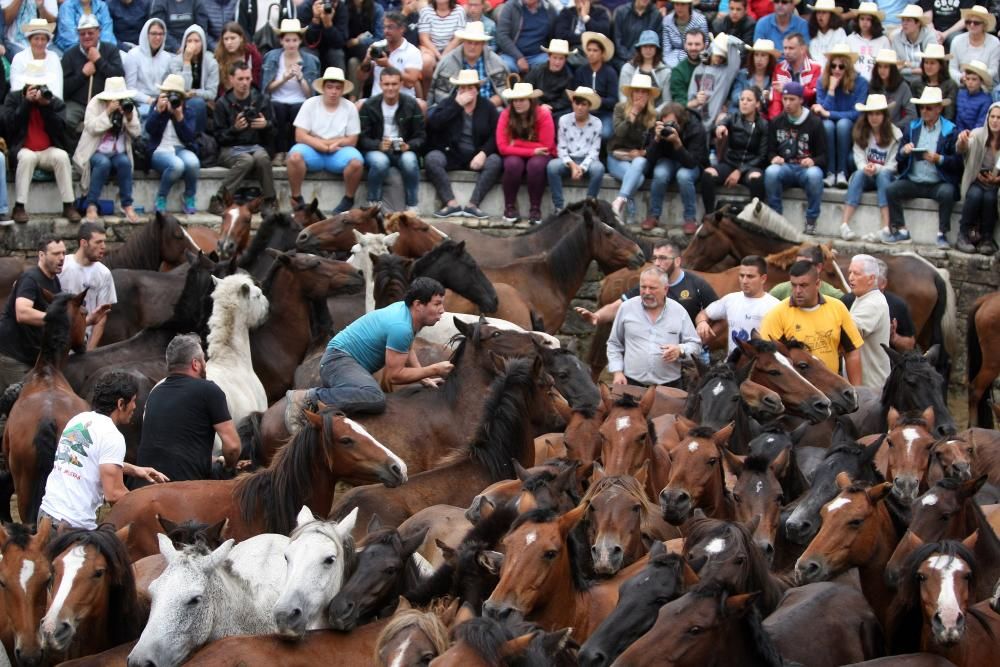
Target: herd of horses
520 514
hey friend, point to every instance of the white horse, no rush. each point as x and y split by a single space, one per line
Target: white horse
361 259
203 596
445 329
317 555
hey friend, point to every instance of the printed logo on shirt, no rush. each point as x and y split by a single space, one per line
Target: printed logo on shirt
73 444
685 294
820 342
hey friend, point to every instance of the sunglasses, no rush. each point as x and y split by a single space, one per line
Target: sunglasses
838 66
974 23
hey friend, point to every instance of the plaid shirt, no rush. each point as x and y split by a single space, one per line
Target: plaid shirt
486 89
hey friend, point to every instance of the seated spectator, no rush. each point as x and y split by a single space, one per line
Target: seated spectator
676 26
474 11
17 13
523 27
839 91
869 39
287 78
979 43
598 75
475 55
581 17
70 13
128 17
736 22
578 146
147 65
946 18
399 53
86 68
888 80
39 34
633 120
875 142
552 78
761 60
870 314
826 30
178 16
526 139
197 67
973 96
439 21
475 147
244 120
110 126
647 61
326 133
682 72
36 138
741 138
220 12
364 28
797 152
630 21
326 31
708 92
173 143
742 311
234 47
928 167
934 73
677 149
980 148
780 24
797 67
410 11
913 38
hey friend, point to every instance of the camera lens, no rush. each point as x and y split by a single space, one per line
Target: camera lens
128 105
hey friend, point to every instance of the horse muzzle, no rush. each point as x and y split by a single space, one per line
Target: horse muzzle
817 411
502 611
306 242
636 260
905 488
960 471
800 531
811 570
342 615
675 505
28 657
608 558
225 249
950 633
391 475
291 623
56 639
846 401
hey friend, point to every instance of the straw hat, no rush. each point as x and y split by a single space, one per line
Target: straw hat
978 67
720 45
473 32
559 47
466 77
290 26
841 51
587 94
34 74
981 13
931 95
642 82
38 27
764 46
871 9
521 91
914 12
87 21
116 89
827 6
333 74
606 44
875 102
174 83
887 57
935 52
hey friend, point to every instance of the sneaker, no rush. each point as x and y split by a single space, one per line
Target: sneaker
449 211
161 205
5 219
20 215
888 237
413 210
471 211
942 242
903 235
830 180
297 401
810 229
987 247
963 244
617 206
345 205
215 205
535 216
649 223
510 214
690 227
846 232
842 181
189 206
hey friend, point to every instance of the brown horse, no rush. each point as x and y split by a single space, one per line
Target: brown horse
234 234
203 238
160 243
416 237
627 438
697 478
983 338
758 495
336 234
414 637
328 449
45 404
25 570
906 454
773 370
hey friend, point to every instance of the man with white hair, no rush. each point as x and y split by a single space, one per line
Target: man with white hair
870 313
902 332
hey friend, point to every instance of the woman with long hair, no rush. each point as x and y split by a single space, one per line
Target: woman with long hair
627 148
826 29
868 39
287 78
526 139
888 80
875 142
762 58
234 47
648 60
438 23
934 72
364 27
980 181
839 91
741 140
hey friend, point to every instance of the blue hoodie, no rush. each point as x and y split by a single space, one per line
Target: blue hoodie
128 19
69 15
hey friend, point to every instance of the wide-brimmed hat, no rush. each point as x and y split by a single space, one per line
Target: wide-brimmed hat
174 83
931 95
38 27
290 26
887 57
521 91
87 21
720 45
466 77
649 38
764 46
978 67
333 74
606 44
473 32
587 94
871 9
827 6
115 88
981 13
914 12
841 51
875 102
34 73
935 52
559 47
641 82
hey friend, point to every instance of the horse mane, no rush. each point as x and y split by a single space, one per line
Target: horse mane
626 401
701 432
576 549
194 305
123 617
796 344
389 270
912 419
262 238
849 448
18 535
484 636
427 622
57 330
783 258
225 308
756 463
913 363
141 249
772 226
631 487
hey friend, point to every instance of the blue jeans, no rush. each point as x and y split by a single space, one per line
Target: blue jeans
100 170
378 167
347 385
536 59
860 182
607 126
777 177
665 170
557 169
838 144
4 204
631 174
171 167
197 106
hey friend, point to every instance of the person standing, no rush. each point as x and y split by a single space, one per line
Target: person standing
870 313
287 80
83 270
742 311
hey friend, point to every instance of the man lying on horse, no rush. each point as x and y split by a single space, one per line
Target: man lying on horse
382 339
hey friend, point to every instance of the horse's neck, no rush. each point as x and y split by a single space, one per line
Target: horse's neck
234 347
718 504
93 635
871 570
237 611
564 606
368 271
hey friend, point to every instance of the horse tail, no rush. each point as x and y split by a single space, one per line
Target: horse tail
973 364
537 323
9 398
597 357
44 444
949 320
248 430
943 318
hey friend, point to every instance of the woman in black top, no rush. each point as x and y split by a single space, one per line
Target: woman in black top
742 140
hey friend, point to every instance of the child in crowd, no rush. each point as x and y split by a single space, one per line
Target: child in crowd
973 98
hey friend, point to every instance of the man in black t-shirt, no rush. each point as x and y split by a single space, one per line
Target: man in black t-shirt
24 315
946 16
183 415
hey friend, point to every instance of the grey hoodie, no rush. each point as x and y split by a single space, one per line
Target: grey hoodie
718 80
209 88
143 70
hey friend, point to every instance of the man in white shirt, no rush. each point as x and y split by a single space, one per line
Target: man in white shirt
743 311
90 458
396 52
83 269
870 312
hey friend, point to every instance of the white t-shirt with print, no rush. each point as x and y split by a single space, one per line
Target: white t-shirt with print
405 57
73 491
741 313
319 121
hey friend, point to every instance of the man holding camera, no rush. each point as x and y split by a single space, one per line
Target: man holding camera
393 51
242 119
326 30
86 68
677 149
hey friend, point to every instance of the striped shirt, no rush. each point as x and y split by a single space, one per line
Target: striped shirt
441 30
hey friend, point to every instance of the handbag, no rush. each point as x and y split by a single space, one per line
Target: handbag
266 38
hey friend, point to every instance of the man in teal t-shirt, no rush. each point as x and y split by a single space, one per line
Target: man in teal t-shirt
379 339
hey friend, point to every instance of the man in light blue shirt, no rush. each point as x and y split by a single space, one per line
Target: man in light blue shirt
783 21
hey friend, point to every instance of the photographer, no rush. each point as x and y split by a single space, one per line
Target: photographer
109 127
243 119
396 52
326 30
677 148
172 141
392 135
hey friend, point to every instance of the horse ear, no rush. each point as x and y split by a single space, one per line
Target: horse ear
756 429
933 354
213 534
646 403
43 533
780 462
403 604
737 605
891 418
167 549
971 487
374 523
463 328
657 549
721 437
413 542
517 645
879 492
165 523
491 561
928 416
570 519
244 290
499 363
642 474
554 642
47 295
519 470
346 525
798 432
872 449
315 420
465 613
390 239
970 542
733 461
219 556
689 576
215 281
358 236
305 516
843 480
682 425
78 299
597 473
895 358
123 533
606 398
254 204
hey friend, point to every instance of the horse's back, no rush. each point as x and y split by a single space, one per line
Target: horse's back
908 660
318 647
113 657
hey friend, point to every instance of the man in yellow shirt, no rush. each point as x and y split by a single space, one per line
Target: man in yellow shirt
824 324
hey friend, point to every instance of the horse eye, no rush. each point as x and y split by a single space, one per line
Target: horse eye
712 461
636 508
662 600
694 630
329 560
802 366
921 577
194 601
946 516
774 372
3 584
550 554
780 499
855 523
98 574
389 571
346 440
496 334
737 498
426 658
969 451
740 560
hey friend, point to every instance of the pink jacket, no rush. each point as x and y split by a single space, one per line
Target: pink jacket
546 135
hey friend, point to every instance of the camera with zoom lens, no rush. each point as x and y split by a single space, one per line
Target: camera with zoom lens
128 106
327 6
379 49
117 121
668 128
249 113
175 99
43 90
